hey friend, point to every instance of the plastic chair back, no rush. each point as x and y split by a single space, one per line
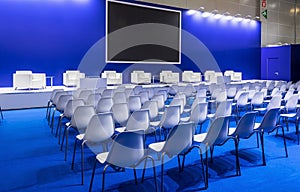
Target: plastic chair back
71 106
100 128
275 102
62 102
179 139
246 125
291 103
134 103
104 105
93 99
243 99
199 113
81 117
139 120
160 101
269 120
217 132
258 99
119 97
171 117
120 113
152 107
224 109
107 93
127 149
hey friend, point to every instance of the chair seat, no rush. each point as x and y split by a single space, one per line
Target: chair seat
256 126
288 115
260 109
160 112
154 123
120 129
80 136
185 119
200 137
101 157
210 115
231 130
157 147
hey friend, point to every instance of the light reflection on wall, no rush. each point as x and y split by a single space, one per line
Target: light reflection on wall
222 18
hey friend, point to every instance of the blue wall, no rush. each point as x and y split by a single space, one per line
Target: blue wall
276 63
295 63
52 36
47 35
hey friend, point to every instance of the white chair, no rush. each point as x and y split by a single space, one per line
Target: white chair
38 81
29 80
127 151
119 97
120 114
98 134
104 105
70 108
134 103
191 77
112 77
169 77
79 121
268 125
170 119
72 78
243 130
211 76
223 79
140 77
178 143
208 74
215 76
234 76
217 135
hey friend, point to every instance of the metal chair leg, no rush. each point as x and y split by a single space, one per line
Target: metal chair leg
262 148
286 153
74 152
93 175
238 167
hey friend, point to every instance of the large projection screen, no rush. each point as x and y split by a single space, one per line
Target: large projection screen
142 34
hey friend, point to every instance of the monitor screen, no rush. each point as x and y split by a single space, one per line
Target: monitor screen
142 34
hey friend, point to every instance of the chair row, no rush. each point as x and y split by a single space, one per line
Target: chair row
218 129
165 76
220 78
29 80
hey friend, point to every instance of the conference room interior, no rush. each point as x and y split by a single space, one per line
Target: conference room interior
149 95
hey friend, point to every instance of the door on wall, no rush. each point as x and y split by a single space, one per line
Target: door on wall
273 69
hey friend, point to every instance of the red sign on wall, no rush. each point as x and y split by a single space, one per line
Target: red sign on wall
264 3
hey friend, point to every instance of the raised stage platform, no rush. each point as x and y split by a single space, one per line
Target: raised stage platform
22 99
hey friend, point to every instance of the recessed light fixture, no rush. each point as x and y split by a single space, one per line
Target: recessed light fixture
215 11
238 17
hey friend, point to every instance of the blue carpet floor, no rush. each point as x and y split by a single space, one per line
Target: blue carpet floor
30 160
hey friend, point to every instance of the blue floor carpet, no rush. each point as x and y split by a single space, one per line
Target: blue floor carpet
30 160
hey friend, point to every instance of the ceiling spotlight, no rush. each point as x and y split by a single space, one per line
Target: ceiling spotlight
191 12
248 17
226 14
206 14
201 8
215 11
